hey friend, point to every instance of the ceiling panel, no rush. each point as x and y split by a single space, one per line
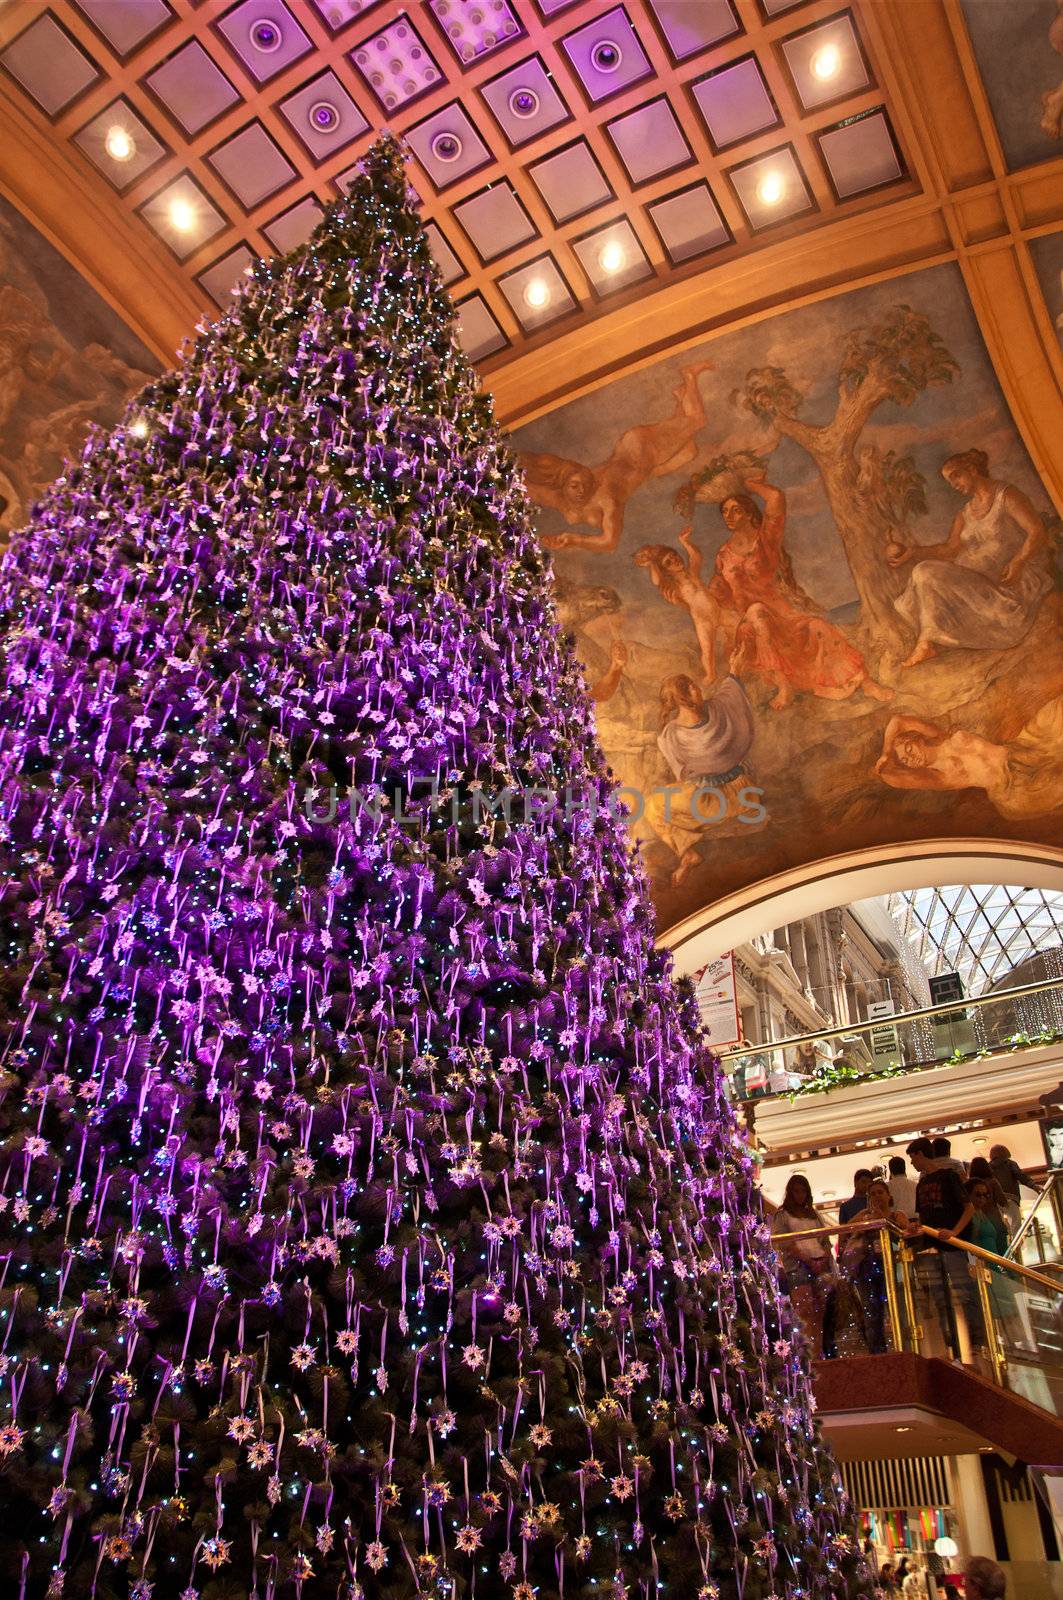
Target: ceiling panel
566 133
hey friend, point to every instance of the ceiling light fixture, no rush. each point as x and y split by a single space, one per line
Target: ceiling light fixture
826 62
182 215
119 144
324 116
606 55
447 147
771 188
524 103
537 293
611 256
266 35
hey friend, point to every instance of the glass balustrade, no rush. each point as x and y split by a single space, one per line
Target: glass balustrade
869 1289
1013 1019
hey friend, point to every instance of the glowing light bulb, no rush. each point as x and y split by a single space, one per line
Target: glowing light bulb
771 188
118 144
537 293
611 258
182 216
826 62
139 428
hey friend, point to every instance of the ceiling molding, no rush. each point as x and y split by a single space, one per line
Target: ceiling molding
77 214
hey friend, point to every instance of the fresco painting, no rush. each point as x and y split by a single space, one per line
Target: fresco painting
1047 254
815 583
66 361
1018 45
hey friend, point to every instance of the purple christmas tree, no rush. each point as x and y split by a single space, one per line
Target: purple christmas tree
371 1221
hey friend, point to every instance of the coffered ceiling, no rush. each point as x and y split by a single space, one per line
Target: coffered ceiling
570 154
600 181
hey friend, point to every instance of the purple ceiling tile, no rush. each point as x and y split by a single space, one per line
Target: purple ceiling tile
49 64
607 55
473 28
478 331
649 141
524 101
692 25
735 102
448 263
448 146
222 278
323 116
570 181
337 14
689 222
495 221
293 227
192 87
860 155
252 165
537 293
612 257
265 36
397 64
120 144
125 24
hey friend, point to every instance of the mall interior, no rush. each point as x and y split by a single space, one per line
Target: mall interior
768 296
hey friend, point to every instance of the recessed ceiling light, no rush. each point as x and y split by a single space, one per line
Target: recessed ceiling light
904 1430
324 116
771 188
611 256
825 62
537 293
524 102
266 35
607 55
182 215
118 143
446 146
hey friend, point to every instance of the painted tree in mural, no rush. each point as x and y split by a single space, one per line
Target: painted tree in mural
371 1222
871 495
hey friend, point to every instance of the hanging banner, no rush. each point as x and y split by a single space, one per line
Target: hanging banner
718 1002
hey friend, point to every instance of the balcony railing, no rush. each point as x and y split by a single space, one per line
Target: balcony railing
889 1288
1022 1018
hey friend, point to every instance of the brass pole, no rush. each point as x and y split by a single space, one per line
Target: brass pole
982 1278
892 1303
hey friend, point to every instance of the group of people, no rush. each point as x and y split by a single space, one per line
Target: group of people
982 1580
840 1295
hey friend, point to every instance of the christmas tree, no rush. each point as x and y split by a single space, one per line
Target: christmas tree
371 1220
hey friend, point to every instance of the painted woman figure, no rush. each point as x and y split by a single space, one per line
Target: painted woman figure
1023 778
980 588
777 638
682 585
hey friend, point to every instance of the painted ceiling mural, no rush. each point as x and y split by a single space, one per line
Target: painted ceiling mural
815 583
66 361
1013 43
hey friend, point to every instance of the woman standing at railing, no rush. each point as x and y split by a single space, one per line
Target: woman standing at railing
861 1259
808 1265
982 1224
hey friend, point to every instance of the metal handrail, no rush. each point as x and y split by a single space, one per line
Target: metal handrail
885 1225
1028 1220
766 1045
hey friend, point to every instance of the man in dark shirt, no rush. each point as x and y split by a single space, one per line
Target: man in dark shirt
942 1269
858 1199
